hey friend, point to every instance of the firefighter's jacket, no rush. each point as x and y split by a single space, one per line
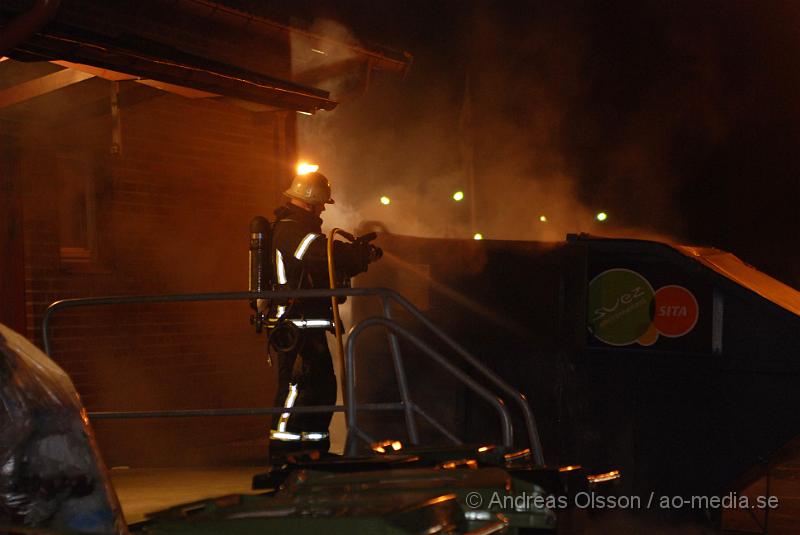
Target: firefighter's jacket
300 256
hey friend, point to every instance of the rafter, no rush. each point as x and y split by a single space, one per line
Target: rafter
41 86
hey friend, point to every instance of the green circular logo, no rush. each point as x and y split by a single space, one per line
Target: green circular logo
619 306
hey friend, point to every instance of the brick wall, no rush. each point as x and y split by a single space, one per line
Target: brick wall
172 212
12 271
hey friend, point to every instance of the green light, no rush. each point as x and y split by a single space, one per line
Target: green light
477 236
386 200
602 216
458 196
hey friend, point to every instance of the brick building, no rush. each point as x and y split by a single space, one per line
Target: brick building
136 142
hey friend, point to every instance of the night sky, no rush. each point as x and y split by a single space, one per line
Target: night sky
679 119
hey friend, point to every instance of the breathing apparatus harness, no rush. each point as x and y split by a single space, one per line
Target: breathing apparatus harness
283 333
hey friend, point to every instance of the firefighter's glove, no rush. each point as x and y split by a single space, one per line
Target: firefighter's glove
361 255
366 253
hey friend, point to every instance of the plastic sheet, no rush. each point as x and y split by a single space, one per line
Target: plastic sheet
51 473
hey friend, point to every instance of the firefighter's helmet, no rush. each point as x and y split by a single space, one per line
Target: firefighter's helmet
312 188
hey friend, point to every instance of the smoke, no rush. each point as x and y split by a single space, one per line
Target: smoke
492 129
320 57
678 127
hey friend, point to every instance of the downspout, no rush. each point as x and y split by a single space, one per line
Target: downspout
27 23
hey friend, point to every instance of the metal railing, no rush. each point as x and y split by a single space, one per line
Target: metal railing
351 408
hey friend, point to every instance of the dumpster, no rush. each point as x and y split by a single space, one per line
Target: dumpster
675 364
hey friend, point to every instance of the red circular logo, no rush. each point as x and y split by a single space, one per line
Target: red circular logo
676 311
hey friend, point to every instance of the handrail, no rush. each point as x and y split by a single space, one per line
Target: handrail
385 293
199 297
402 382
527 412
355 332
246 411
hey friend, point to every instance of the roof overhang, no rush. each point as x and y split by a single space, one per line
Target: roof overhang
176 69
192 47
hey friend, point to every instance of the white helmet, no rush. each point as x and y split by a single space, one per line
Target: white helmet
312 188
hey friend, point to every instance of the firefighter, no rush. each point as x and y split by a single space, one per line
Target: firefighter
305 368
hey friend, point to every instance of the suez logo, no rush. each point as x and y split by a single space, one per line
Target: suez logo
623 299
624 309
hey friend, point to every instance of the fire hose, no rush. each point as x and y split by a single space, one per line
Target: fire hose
375 253
337 324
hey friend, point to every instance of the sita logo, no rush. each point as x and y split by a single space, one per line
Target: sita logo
624 309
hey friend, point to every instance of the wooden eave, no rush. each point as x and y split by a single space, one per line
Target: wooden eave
211 50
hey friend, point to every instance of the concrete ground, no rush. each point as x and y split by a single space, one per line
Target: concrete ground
145 490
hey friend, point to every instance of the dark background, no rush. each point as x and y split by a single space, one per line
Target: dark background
679 119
